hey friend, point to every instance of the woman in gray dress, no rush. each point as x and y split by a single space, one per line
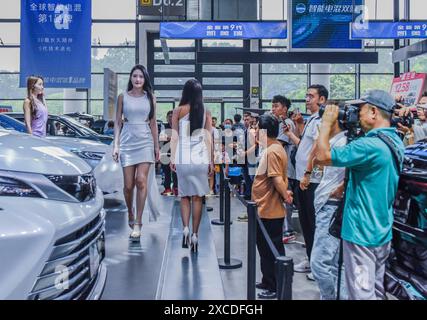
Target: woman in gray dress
136 142
192 156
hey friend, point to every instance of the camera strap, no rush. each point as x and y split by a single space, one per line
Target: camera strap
398 159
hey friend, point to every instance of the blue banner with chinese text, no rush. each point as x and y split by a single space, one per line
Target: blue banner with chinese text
223 30
389 30
56 42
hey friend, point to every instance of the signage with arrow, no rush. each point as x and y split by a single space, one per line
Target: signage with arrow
172 8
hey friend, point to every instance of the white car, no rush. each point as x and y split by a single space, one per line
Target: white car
108 174
52 222
98 155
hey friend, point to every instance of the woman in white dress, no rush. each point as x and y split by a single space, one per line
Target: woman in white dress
192 156
136 143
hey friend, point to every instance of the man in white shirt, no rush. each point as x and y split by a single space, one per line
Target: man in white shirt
308 179
325 253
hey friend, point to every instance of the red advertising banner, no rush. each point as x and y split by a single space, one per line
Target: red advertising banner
409 86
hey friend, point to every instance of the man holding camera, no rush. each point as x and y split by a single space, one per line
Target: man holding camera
418 131
371 189
316 96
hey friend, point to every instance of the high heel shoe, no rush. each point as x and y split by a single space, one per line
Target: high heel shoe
136 232
185 237
194 243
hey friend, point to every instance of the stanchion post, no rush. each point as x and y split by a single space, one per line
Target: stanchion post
251 277
220 221
227 262
284 268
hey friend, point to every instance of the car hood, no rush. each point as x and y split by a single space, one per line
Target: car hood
76 144
25 153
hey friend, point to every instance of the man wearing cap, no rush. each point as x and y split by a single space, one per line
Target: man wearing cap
373 179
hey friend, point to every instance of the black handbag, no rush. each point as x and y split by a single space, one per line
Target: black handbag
335 224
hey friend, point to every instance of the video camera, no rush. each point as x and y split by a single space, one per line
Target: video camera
348 116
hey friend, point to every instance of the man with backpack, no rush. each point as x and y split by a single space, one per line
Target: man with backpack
374 163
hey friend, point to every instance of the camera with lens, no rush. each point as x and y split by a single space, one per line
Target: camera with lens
348 115
406 121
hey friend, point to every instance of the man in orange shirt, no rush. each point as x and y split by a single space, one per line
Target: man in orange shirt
269 191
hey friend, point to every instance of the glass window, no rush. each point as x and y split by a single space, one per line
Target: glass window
220 94
170 81
162 109
176 43
274 42
10 33
60 129
284 68
419 64
343 68
294 106
342 87
9 60
175 55
381 9
9 87
230 109
274 50
174 68
97 90
274 9
10 9
223 81
384 65
117 59
97 107
222 43
113 33
368 82
15 104
378 43
418 9
168 93
292 86
222 68
55 93
215 109
123 9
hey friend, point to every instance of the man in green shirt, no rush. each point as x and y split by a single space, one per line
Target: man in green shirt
370 193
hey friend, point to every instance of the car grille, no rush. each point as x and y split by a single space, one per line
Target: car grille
83 187
70 273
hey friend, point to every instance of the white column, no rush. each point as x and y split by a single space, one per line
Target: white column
144 28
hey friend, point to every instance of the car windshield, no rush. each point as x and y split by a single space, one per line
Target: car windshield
80 126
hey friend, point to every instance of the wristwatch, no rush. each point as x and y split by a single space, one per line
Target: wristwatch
307 172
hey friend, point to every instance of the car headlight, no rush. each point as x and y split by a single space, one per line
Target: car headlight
10 187
89 155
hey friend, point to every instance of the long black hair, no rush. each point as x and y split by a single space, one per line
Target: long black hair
192 94
147 87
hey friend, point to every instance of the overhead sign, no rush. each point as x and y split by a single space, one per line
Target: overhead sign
389 30
172 8
323 24
223 30
410 86
56 42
